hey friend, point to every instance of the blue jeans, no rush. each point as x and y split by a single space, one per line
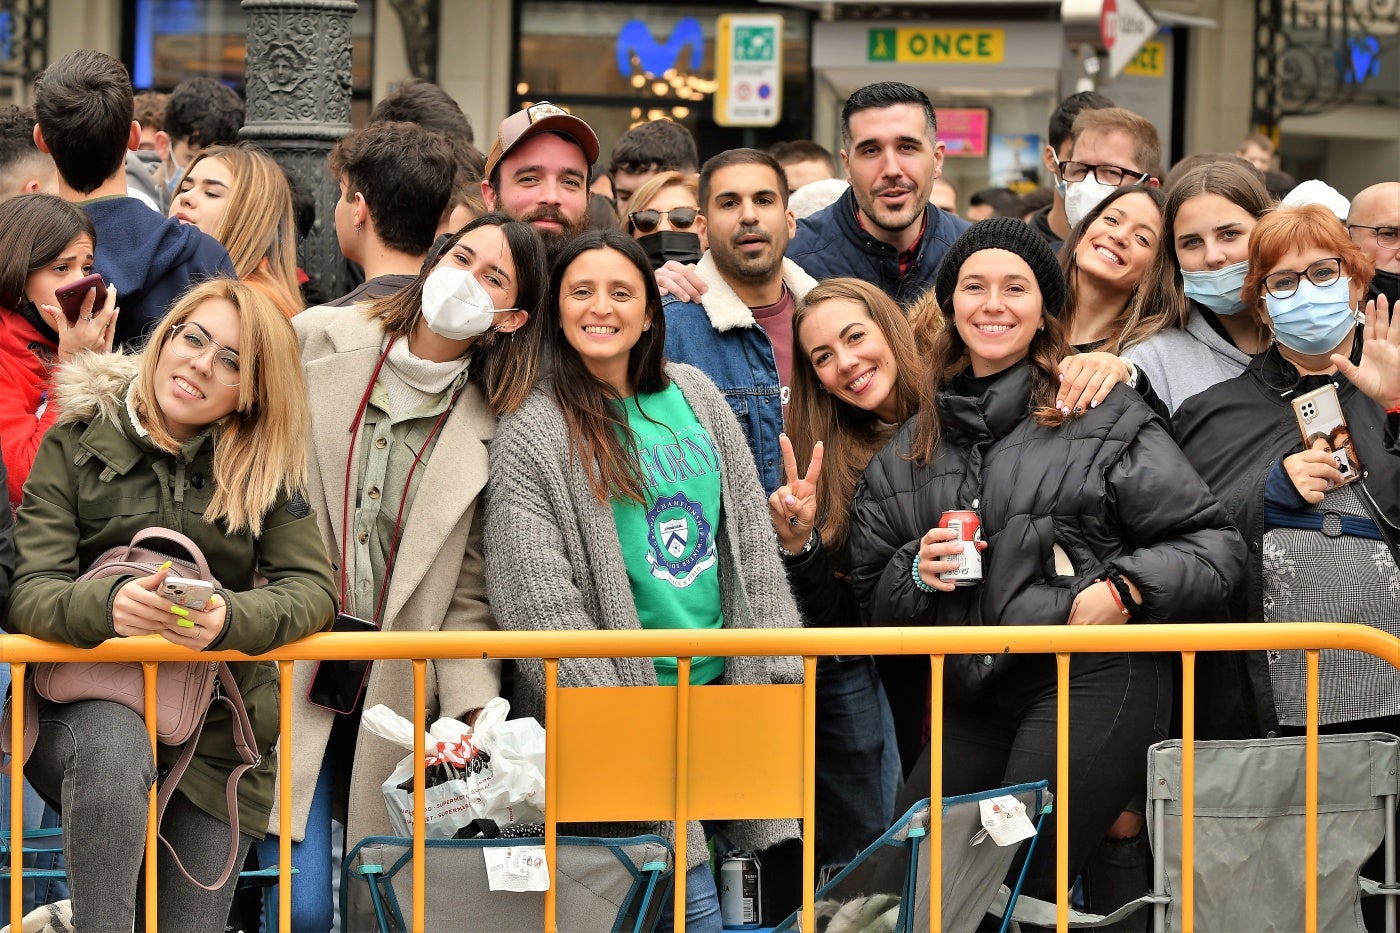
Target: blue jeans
313 910
701 904
37 815
853 800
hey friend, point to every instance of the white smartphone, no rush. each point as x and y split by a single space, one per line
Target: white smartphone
192 594
1324 427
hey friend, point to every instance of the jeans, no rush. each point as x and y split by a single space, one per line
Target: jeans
37 815
313 908
93 761
701 904
852 805
1119 704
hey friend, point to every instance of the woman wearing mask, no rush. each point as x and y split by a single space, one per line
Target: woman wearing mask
405 391
1096 520
579 498
661 215
1193 291
205 432
45 243
240 197
1318 549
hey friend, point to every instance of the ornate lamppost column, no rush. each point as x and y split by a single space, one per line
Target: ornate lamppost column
298 89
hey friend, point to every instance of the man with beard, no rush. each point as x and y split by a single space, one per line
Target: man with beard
538 171
883 230
740 335
1374 225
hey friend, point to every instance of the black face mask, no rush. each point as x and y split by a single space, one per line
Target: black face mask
1387 284
665 245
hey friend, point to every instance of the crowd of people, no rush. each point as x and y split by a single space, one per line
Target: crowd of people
651 393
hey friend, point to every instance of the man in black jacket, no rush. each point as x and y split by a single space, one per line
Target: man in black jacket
883 230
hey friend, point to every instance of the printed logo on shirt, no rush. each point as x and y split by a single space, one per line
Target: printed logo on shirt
681 541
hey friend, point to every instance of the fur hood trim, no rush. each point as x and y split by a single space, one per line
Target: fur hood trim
724 308
92 385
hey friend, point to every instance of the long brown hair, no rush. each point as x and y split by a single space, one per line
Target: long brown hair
260 448
258 227
850 435
505 366
949 357
599 438
1130 329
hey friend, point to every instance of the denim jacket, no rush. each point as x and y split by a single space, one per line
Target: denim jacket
719 336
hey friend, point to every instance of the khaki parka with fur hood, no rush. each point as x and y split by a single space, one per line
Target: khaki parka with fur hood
96 482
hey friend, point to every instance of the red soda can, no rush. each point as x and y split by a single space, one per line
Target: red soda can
969 529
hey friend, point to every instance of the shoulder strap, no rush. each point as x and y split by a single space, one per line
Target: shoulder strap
245 742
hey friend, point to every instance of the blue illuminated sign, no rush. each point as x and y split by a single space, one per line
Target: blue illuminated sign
635 39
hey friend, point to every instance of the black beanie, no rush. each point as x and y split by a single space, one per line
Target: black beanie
1014 236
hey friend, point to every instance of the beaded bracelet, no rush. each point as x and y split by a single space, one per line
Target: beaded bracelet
918 581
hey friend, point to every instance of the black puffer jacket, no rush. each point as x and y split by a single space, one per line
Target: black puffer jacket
1233 433
1110 488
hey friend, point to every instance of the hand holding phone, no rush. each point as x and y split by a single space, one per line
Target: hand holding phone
190 593
1324 429
71 296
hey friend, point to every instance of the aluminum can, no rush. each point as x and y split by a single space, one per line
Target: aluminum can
740 893
969 529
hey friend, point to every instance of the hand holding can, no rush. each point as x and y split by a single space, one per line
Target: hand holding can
967 528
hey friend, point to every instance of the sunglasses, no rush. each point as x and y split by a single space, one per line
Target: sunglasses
681 218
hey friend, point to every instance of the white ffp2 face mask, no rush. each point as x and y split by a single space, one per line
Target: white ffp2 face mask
455 305
1081 197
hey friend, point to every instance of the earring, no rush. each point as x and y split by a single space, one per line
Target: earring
646 326
357 228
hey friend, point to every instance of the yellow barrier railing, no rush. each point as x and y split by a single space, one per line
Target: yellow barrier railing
687 802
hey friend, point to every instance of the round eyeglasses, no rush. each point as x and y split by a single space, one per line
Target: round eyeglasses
681 218
191 342
1283 283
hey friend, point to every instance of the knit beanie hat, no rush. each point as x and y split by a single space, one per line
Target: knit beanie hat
1014 236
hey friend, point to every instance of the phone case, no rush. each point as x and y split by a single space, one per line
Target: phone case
1324 427
192 594
70 297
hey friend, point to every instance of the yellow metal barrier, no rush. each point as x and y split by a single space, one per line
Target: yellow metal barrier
709 717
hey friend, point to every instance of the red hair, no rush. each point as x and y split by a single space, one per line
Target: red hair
1311 226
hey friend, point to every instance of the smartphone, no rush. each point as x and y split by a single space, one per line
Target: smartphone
1324 427
70 297
187 592
337 685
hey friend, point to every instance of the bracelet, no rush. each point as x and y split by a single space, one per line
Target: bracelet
918 581
1125 593
812 540
1117 599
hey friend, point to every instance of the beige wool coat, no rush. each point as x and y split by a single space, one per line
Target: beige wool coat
438 582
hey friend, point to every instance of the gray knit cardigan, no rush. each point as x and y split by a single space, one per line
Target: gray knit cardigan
554 561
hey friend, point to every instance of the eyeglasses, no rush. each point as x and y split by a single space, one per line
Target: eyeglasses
1111 175
647 221
1386 237
1285 282
190 341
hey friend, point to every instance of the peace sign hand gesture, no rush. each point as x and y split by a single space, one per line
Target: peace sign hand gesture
793 506
1379 373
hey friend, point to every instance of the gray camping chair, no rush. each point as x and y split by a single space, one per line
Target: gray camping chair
1249 826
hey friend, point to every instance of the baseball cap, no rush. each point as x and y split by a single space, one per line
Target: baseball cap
543 117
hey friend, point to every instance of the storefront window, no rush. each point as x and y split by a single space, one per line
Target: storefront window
593 59
177 39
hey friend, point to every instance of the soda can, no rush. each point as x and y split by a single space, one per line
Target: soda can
740 893
969 529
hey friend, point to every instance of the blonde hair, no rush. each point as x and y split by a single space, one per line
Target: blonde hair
654 186
259 227
261 447
850 435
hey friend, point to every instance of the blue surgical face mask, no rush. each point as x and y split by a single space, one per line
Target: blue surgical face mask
1217 289
1315 319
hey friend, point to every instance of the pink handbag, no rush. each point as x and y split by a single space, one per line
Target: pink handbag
184 691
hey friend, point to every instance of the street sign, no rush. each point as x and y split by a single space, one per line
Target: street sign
749 69
1124 27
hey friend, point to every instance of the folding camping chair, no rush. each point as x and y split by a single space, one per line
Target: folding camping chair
1249 831
892 873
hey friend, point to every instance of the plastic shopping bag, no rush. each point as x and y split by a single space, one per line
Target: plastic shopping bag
494 771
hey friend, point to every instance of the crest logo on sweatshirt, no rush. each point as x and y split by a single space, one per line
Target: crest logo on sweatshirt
680 540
